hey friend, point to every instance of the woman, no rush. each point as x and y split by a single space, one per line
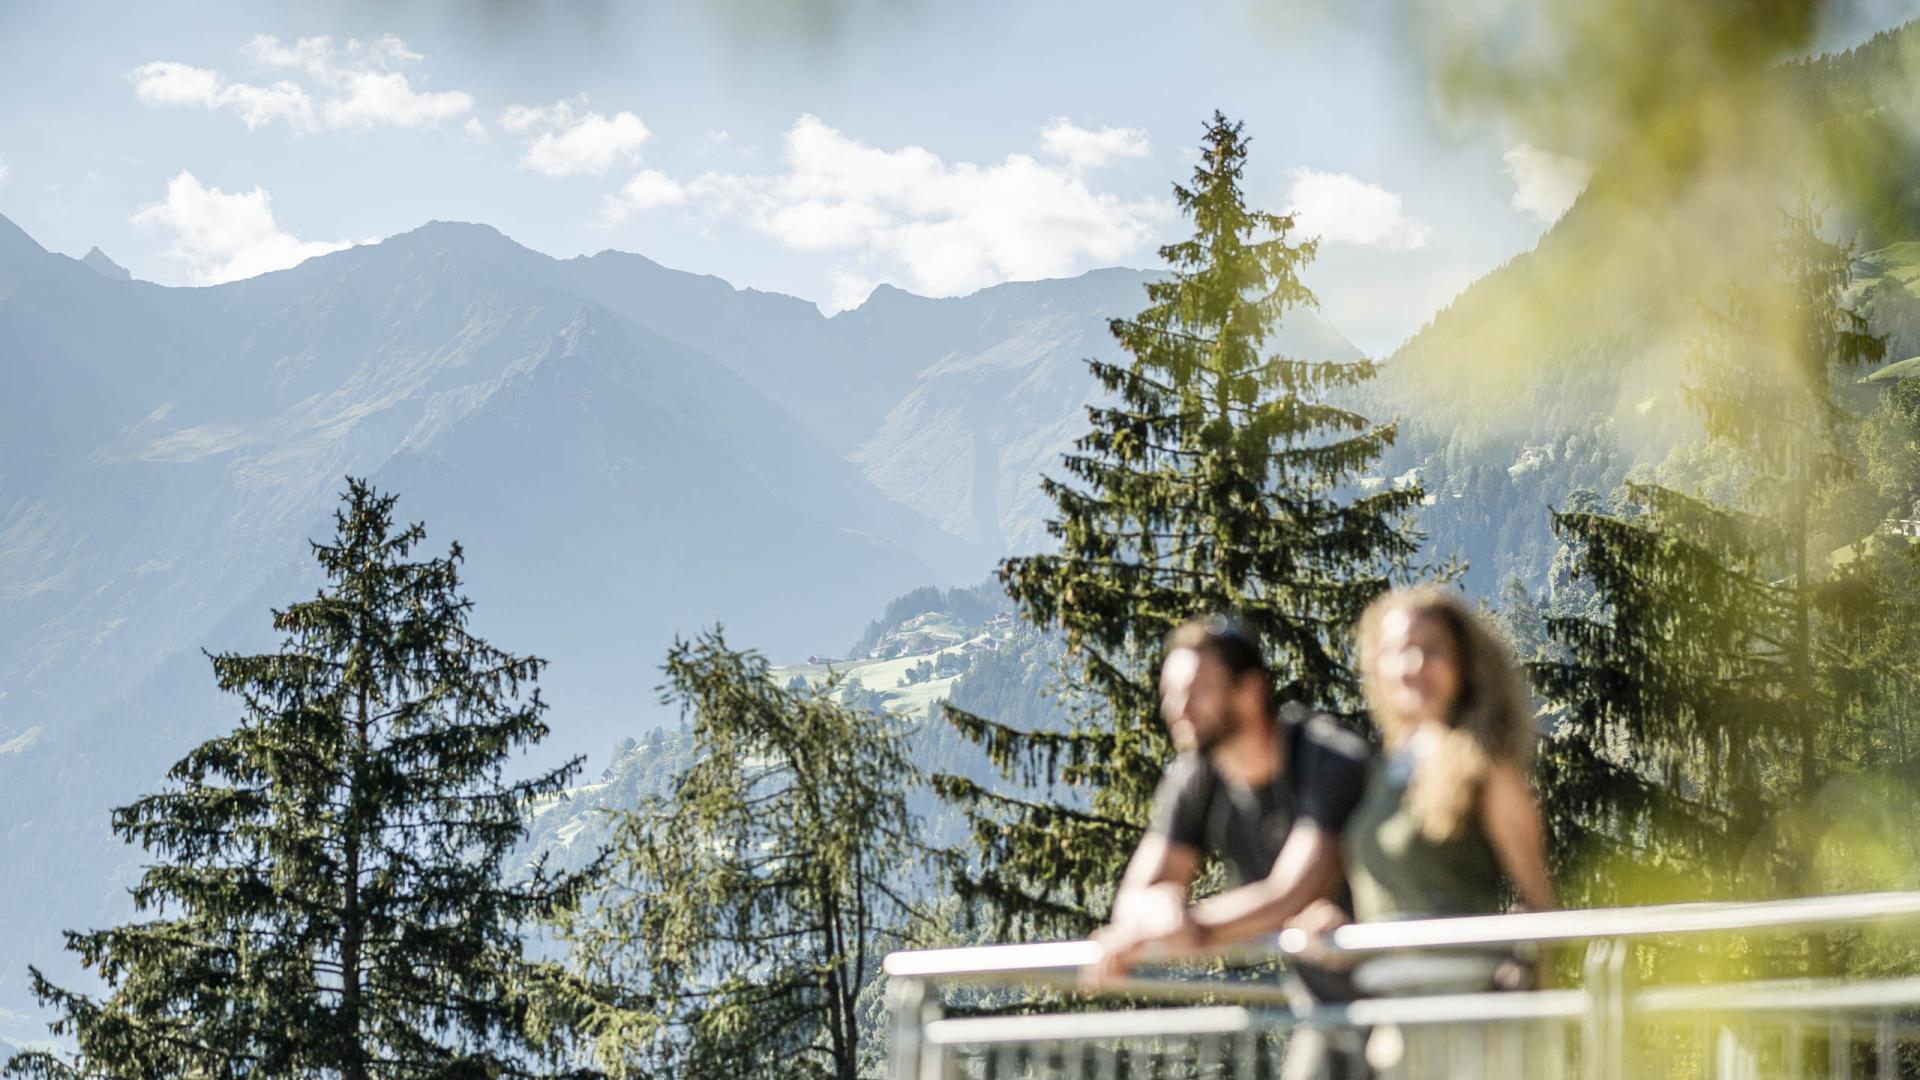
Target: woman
1448 822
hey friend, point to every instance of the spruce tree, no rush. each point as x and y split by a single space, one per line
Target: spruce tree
746 912
1215 477
1723 675
327 896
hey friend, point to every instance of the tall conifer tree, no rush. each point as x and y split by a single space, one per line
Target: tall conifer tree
1723 675
1216 477
327 897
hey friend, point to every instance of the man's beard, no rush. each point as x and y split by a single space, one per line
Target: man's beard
1209 737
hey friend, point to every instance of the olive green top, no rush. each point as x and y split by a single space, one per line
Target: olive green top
1395 872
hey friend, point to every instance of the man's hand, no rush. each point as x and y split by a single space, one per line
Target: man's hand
1142 917
1316 920
1319 917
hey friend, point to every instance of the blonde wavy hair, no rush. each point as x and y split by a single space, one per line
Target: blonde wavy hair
1491 717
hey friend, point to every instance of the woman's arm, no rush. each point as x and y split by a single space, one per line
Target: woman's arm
1512 822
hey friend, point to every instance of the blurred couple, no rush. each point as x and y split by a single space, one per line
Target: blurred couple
1314 829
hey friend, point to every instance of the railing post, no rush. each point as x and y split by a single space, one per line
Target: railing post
912 1007
1593 1030
1617 978
1604 1034
1886 1064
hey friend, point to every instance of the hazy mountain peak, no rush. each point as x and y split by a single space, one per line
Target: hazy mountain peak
97 261
885 291
615 255
14 239
463 236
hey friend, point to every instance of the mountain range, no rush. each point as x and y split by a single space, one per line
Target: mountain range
626 452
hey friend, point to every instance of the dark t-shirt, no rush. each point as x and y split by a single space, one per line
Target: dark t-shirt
1324 776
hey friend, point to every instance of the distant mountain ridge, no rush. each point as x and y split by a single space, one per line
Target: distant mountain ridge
97 261
626 452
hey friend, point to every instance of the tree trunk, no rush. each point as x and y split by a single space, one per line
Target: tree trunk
354 1063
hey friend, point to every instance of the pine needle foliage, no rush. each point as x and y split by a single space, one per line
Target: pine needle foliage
326 897
1215 476
748 909
1723 680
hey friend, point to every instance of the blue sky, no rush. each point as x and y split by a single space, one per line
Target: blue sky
814 147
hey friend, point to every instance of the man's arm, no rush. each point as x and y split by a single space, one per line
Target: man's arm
1307 869
1151 905
1331 775
1160 860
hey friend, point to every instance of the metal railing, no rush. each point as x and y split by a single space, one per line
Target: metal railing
1028 1015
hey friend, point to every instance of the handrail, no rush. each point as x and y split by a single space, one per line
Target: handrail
1657 920
1002 963
1036 957
1053 1027
1017 963
1780 995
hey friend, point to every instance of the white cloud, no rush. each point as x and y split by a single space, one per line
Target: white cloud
322 59
6 172
953 227
476 130
1544 183
226 236
571 143
520 118
648 189
376 98
1344 209
850 290
262 105
1084 148
168 83
313 55
361 84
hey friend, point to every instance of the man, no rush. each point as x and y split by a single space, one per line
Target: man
1267 793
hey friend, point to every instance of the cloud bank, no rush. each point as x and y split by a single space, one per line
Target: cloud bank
1084 148
225 236
323 86
1341 208
951 227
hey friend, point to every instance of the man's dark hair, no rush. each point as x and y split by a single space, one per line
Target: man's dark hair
1227 640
